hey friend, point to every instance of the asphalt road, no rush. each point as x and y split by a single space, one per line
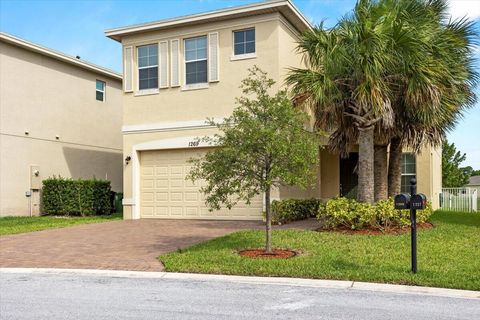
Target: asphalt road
71 296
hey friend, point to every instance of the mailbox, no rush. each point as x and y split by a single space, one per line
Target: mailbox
418 201
402 201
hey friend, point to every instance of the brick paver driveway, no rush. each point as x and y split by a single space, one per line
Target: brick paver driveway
119 245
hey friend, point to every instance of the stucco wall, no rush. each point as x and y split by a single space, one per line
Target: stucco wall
175 104
429 174
274 52
49 98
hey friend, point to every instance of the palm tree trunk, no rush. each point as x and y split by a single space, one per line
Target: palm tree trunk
381 172
394 167
268 224
365 165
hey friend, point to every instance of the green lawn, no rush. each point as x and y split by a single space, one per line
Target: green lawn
12 225
448 255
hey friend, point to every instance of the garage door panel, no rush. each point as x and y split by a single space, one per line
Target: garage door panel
148 184
191 196
176 196
161 183
176 211
161 196
161 212
165 193
147 171
148 211
176 170
147 197
161 171
176 182
192 211
191 184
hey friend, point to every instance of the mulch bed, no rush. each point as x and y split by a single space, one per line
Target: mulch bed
376 232
260 253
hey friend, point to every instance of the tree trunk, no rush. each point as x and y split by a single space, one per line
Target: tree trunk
394 167
381 173
268 224
365 165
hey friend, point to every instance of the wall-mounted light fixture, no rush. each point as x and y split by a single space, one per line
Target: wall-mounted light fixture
127 159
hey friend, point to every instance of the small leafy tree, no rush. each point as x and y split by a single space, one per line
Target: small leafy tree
263 144
452 174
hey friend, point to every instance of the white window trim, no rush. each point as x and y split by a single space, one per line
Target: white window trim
195 86
146 92
149 90
243 56
199 85
104 90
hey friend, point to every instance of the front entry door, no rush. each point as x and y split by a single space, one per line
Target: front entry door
348 176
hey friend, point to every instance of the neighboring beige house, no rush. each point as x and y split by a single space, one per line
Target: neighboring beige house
178 72
59 115
474 183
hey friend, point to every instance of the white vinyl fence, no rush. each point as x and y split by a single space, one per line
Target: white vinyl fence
459 199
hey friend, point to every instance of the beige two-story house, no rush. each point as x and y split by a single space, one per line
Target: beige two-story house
59 115
177 72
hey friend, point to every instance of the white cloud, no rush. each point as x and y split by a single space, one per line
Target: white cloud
464 8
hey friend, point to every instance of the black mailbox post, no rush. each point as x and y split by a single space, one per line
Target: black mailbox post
414 202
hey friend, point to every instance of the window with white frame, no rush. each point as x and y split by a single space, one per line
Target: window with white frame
244 42
100 90
147 67
196 60
408 171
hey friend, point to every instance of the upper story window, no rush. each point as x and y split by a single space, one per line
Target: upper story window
148 67
100 90
408 171
196 60
244 42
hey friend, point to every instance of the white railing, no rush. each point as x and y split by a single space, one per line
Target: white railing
459 199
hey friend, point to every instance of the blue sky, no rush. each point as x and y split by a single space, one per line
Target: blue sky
76 28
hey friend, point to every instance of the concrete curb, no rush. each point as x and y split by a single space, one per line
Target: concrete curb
333 284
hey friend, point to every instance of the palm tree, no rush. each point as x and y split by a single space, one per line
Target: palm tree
435 87
390 61
347 81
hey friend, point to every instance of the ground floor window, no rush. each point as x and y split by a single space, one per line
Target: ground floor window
409 171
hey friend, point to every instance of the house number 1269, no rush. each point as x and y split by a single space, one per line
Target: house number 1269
193 143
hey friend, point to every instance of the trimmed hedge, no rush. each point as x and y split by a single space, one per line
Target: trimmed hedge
62 196
288 210
349 213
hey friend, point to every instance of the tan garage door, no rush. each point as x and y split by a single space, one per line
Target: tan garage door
164 192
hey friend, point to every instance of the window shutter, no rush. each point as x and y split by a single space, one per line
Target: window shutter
175 63
163 65
213 74
127 70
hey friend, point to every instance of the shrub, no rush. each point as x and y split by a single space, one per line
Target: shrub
288 210
348 213
61 196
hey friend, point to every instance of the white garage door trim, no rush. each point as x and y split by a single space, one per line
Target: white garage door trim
163 144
